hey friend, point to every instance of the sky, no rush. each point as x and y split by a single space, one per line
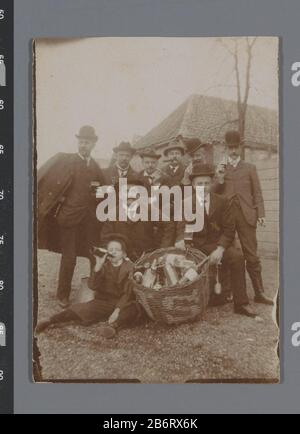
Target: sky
124 87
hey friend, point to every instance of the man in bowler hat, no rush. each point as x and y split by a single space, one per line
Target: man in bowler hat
151 176
173 171
239 182
121 167
195 149
216 236
67 207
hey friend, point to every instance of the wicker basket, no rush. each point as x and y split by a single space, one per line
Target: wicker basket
177 304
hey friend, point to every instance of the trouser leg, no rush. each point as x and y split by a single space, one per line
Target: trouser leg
234 260
68 261
64 316
130 315
224 276
247 236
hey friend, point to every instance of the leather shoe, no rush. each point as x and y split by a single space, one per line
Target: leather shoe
218 300
107 331
261 298
245 310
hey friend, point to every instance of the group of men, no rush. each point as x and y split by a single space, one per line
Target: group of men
233 204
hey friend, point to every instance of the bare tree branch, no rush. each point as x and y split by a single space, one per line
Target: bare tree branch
237 74
242 97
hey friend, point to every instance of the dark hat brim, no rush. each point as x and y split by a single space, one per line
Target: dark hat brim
233 144
202 170
129 150
195 175
171 148
145 155
94 138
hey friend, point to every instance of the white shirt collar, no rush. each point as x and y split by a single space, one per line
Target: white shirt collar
174 168
118 264
233 162
87 159
206 202
121 170
152 174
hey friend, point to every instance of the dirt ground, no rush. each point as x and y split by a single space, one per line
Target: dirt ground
222 346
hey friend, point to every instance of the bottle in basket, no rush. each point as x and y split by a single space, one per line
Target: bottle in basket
189 276
150 275
171 275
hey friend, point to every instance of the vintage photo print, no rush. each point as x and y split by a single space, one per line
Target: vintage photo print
156 210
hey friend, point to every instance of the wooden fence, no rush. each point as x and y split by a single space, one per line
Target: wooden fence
268 236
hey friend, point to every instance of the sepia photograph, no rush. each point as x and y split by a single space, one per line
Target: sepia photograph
156 210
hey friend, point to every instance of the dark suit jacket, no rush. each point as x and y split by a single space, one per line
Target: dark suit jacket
169 178
111 175
220 226
109 285
54 179
243 183
145 179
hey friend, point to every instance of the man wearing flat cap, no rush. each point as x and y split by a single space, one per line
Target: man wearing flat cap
67 220
238 181
216 235
121 167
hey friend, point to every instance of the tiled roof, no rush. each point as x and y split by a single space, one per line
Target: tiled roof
209 118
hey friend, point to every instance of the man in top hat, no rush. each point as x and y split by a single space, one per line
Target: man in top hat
67 206
196 151
216 235
121 167
150 174
238 181
173 171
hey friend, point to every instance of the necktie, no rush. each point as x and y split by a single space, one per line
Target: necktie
205 208
205 217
